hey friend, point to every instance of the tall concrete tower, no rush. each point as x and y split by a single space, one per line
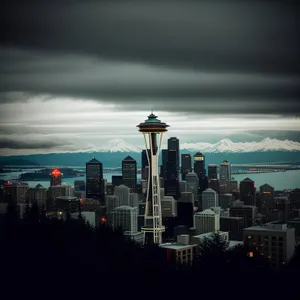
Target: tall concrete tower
153 130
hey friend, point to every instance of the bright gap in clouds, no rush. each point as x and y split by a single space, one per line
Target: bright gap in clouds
67 115
82 124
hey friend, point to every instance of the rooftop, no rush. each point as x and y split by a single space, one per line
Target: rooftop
209 190
125 207
209 234
198 154
247 180
68 198
274 226
94 161
176 246
206 212
39 186
129 158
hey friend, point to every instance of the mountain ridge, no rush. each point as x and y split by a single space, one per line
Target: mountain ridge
223 146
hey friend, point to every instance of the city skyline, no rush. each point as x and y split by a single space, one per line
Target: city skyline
89 74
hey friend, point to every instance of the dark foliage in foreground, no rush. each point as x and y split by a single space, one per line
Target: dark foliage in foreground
36 249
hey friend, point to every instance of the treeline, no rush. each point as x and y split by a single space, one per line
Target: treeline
38 249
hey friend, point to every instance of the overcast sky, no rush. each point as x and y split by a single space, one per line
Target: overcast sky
75 74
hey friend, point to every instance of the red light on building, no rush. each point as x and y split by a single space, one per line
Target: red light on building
56 173
103 220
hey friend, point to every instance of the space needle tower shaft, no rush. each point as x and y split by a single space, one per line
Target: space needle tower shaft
153 130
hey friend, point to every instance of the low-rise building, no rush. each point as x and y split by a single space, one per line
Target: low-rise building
182 251
273 240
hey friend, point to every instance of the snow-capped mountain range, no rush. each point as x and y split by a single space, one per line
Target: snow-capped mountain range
223 146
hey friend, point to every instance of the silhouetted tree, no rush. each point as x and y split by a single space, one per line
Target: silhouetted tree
212 251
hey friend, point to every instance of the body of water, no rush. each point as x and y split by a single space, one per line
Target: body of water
279 180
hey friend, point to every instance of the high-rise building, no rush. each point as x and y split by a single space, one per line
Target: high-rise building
173 145
79 185
116 180
15 193
129 172
152 130
55 177
233 225
68 204
207 221
94 181
164 166
212 171
182 186
199 169
192 182
248 191
186 165
122 192
247 212
185 210
225 200
172 182
225 171
133 200
125 217
38 195
111 202
168 206
210 199
199 164
225 177
267 189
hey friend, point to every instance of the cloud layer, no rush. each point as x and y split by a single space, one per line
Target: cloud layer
77 71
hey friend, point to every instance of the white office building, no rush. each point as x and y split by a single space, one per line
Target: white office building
123 192
133 200
210 199
111 202
206 221
125 217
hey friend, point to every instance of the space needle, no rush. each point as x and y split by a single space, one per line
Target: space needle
153 130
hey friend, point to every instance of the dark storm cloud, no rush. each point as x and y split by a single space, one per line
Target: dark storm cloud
30 145
258 36
78 49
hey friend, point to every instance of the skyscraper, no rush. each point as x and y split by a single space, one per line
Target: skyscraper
199 164
173 145
129 172
199 169
247 191
210 199
94 181
225 171
186 165
172 181
153 130
212 172
164 166
55 177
